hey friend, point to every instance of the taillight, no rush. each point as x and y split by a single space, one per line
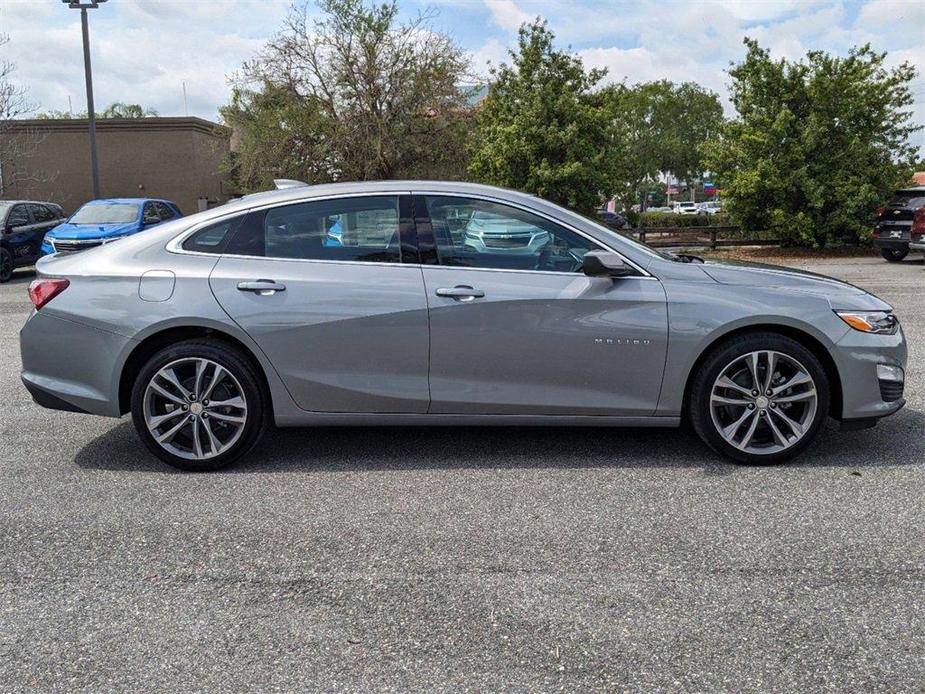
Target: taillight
879 211
918 222
44 290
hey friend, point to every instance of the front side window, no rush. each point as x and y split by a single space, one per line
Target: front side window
105 213
482 234
364 229
40 214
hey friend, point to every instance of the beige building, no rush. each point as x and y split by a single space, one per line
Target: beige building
174 158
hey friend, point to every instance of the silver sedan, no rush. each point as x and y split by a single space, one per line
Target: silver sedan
211 328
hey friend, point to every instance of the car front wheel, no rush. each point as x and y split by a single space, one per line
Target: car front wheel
759 398
894 255
199 405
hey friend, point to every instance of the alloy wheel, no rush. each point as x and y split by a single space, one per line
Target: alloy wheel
763 402
6 265
195 408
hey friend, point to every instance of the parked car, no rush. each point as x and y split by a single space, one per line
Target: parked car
212 327
894 222
23 225
612 219
686 208
917 233
99 222
711 207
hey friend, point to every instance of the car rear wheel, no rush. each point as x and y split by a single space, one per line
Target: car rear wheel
759 398
6 265
199 405
894 255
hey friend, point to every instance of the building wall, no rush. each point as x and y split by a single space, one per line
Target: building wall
173 158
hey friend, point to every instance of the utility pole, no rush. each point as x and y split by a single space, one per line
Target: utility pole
83 6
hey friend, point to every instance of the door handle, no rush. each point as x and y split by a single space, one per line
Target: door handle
461 292
262 287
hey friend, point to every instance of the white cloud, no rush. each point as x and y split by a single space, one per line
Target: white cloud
506 14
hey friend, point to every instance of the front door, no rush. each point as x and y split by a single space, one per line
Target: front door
516 328
345 324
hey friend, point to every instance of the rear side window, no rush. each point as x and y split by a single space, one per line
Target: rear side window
213 238
19 217
163 211
363 229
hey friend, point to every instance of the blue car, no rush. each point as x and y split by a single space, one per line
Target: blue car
102 221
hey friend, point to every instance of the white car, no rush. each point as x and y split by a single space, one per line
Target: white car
686 208
710 208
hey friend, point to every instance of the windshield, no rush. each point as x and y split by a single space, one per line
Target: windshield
105 213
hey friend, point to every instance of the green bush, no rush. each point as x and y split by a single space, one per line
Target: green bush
656 220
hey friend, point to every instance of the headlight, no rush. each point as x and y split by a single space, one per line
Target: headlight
877 322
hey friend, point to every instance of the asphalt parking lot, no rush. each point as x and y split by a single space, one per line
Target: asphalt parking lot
479 559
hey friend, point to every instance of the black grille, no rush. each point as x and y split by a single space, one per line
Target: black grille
72 246
891 390
514 242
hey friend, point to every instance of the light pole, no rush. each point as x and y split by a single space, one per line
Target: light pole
83 6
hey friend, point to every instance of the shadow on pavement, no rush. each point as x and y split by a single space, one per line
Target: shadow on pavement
896 441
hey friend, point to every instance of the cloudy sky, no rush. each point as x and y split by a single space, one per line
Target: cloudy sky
144 50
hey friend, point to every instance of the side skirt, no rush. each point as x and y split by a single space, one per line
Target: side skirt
447 420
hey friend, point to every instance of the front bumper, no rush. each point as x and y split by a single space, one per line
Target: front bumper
868 366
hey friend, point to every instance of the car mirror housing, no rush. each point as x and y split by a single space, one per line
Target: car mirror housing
604 264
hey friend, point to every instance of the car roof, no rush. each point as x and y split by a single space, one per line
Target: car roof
306 192
123 201
34 202
912 189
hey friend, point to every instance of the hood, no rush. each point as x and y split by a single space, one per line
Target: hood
68 231
760 275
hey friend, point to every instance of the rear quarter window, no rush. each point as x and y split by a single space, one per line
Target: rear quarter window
213 238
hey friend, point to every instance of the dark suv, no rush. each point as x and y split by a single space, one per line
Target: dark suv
894 222
23 224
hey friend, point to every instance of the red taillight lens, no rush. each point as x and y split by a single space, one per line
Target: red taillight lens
918 222
879 211
43 291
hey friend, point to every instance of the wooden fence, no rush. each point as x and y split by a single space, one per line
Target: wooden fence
710 236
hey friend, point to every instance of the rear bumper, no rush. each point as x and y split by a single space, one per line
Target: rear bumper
891 244
84 377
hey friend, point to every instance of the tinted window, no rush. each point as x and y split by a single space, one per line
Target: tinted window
163 211
213 238
105 213
40 213
359 229
19 216
478 233
908 198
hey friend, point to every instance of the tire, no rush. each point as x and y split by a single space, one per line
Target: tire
206 436
6 265
787 420
894 255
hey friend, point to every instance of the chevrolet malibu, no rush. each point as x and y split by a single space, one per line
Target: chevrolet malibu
211 328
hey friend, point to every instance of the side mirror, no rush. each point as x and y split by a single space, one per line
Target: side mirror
604 264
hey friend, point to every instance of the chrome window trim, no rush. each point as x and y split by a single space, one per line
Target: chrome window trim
175 244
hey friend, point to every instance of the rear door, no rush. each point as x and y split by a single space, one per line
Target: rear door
344 324
517 328
20 233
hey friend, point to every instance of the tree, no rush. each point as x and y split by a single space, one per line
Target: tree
542 128
13 147
353 95
817 145
116 109
657 128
